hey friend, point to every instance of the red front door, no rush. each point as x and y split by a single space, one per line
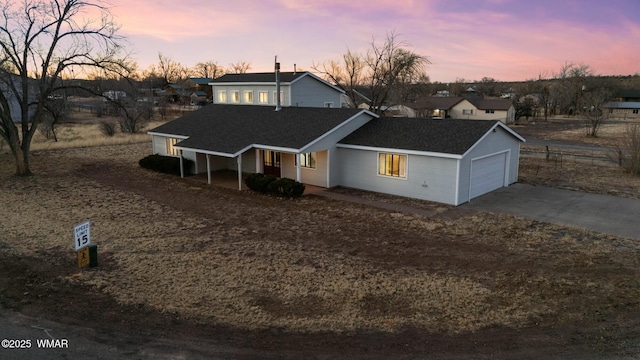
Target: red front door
271 162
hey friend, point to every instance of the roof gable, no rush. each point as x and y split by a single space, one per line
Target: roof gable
439 136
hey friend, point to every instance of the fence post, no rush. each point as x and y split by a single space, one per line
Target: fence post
620 158
547 146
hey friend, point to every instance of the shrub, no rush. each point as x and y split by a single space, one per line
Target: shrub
107 128
259 182
286 188
165 164
268 184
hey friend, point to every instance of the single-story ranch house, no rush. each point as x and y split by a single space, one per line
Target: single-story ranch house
450 161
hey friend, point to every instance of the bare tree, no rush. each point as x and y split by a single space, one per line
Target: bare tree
381 71
170 70
39 40
240 67
208 69
629 154
592 103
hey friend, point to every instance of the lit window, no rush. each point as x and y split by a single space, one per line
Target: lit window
235 96
248 97
467 112
222 96
171 150
264 97
307 160
392 165
328 104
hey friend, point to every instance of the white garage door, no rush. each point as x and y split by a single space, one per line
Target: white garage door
487 174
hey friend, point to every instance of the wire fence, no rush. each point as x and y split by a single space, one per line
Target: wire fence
560 158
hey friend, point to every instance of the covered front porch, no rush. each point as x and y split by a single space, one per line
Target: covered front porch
311 168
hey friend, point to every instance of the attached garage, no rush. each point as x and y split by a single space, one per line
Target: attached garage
447 161
487 174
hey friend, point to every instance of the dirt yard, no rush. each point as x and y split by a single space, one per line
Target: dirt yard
312 278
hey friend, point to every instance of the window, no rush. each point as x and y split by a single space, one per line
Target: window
610 111
235 96
222 96
467 112
635 111
489 111
171 150
307 160
248 97
392 165
264 97
328 104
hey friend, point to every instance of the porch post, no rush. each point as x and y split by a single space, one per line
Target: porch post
181 166
298 172
239 172
258 159
208 171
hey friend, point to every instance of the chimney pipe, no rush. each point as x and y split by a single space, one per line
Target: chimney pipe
278 105
294 69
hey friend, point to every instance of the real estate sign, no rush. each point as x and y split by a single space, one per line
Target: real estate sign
82 235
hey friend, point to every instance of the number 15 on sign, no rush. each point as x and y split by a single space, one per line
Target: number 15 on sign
82 235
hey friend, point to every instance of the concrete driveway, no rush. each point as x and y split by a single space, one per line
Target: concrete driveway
606 214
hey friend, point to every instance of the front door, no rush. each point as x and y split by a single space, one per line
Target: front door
271 161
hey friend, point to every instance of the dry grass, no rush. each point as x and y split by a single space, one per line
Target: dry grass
235 258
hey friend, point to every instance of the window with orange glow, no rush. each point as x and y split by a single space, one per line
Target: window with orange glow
394 165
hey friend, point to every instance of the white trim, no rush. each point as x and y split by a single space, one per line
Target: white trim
319 79
404 151
318 139
500 124
457 197
505 177
253 83
167 135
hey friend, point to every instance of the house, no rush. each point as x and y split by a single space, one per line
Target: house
622 109
200 85
198 98
444 161
471 108
298 89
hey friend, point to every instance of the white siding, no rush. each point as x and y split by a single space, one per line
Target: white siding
428 178
269 89
159 145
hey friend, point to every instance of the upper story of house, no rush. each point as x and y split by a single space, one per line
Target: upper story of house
297 89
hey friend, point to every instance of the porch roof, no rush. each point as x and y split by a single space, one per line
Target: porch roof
231 129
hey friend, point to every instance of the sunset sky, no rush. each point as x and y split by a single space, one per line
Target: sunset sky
508 40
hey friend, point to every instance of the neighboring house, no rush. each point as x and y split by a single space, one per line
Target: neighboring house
176 93
298 89
198 97
623 109
201 85
628 96
445 161
471 108
14 104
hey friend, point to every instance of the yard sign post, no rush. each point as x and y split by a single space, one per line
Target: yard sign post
82 239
